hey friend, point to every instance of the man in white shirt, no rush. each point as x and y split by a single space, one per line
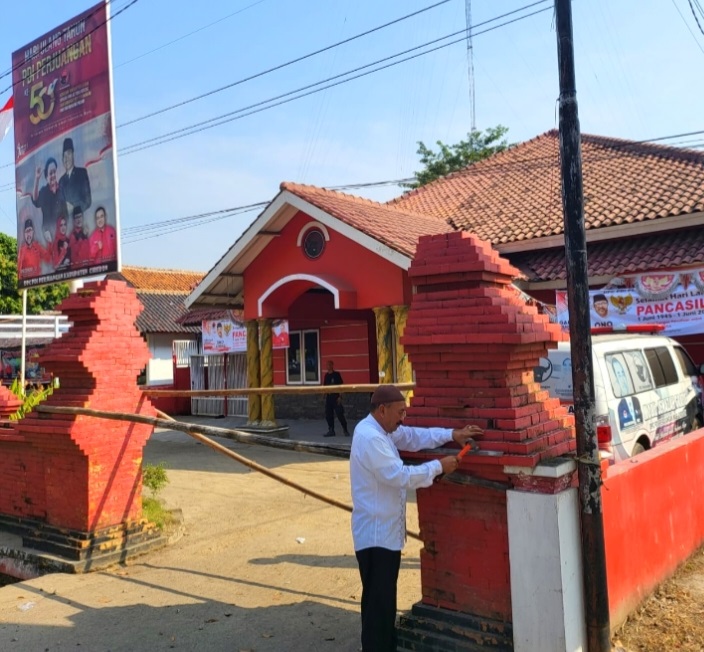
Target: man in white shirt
379 480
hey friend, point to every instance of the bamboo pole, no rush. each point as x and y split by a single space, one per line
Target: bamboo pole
331 450
244 391
193 429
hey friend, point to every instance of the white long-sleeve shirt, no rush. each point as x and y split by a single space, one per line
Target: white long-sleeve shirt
379 480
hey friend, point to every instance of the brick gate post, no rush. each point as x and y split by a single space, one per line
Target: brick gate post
473 342
92 472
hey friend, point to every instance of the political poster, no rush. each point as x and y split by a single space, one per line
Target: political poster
674 300
279 334
223 336
65 163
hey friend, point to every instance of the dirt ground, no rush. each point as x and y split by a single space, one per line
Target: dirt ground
672 618
260 568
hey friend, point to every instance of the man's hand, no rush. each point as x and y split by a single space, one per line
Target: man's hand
466 435
449 464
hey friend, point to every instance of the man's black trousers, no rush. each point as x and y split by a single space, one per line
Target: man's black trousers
333 408
378 568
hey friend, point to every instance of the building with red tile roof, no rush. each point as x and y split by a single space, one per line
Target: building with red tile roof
327 260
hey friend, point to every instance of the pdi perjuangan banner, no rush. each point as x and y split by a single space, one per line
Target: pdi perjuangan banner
65 169
674 300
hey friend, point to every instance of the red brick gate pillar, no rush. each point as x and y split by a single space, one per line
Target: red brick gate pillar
93 467
473 343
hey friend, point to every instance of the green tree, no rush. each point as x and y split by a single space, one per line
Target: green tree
450 158
38 299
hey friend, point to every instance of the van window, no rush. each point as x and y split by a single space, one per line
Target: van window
662 366
621 381
640 374
687 364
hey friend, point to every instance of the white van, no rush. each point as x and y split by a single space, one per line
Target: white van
643 393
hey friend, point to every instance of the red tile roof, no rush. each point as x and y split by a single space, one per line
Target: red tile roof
515 195
398 228
148 279
615 257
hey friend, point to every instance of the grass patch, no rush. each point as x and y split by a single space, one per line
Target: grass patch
155 512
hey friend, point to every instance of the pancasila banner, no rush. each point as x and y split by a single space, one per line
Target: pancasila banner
673 299
67 209
223 336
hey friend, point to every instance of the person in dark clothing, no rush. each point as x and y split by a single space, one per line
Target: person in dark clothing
50 199
333 405
74 183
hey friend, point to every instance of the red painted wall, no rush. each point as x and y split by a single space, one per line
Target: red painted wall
344 337
653 519
376 281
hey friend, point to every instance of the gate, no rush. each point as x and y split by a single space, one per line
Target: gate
236 378
225 371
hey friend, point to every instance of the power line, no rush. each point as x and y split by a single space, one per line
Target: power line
282 65
694 13
195 31
245 111
97 27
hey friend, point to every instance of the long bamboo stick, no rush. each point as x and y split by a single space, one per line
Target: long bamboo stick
192 429
331 450
246 391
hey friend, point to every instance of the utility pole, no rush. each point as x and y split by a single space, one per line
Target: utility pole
596 596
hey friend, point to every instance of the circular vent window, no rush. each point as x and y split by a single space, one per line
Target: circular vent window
313 243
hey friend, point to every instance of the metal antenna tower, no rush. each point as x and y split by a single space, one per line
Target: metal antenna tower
470 61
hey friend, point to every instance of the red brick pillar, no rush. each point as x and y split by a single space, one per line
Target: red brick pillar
473 343
92 474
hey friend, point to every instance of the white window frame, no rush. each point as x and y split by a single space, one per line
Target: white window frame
303 381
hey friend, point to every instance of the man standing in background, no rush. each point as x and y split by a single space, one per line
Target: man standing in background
333 404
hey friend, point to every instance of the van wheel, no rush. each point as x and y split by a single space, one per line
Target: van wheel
696 423
638 449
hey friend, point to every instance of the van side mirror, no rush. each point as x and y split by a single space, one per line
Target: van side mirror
701 369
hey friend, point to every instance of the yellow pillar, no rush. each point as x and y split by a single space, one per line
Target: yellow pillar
404 371
384 344
267 372
254 401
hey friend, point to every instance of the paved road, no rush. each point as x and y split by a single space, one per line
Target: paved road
260 568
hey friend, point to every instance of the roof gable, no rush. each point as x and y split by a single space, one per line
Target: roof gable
389 232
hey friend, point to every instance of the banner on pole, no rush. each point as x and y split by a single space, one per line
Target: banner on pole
223 336
65 168
673 299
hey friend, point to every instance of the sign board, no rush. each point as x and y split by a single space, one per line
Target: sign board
65 163
674 300
223 336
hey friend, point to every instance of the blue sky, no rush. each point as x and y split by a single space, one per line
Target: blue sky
638 63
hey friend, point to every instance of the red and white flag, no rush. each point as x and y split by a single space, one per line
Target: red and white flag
6 118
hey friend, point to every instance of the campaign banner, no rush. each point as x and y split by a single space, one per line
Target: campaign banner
65 163
223 336
279 334
674 300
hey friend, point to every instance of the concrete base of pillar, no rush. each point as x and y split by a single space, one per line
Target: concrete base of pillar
427 629
546 571
269 428
30 548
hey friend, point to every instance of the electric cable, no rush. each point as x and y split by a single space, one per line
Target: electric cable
195 31
258 107
281 66
97 27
